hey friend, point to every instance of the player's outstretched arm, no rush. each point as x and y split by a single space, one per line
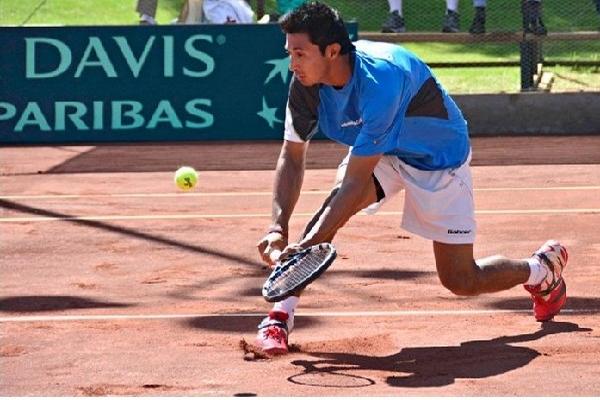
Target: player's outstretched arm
289 176
357 191
315 218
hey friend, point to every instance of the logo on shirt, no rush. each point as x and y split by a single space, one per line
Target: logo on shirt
352 123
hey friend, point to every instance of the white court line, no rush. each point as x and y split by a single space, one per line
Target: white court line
150 195
268 215
265 193
337 314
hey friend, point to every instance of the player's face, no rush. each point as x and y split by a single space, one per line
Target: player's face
306 61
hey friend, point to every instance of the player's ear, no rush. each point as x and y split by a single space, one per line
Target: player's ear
333 50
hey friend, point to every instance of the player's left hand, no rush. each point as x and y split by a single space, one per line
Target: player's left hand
273 241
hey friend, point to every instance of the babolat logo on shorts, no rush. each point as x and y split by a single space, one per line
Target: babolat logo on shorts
458 232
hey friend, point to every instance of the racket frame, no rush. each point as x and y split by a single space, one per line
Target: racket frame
291 262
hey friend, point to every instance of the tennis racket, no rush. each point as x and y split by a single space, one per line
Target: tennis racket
298 271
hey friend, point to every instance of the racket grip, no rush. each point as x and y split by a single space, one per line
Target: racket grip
274 255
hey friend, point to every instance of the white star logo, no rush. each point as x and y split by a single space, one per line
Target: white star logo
268 113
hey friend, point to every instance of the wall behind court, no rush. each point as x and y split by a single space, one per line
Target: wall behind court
535 113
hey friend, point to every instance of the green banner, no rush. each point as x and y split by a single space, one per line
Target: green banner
142 83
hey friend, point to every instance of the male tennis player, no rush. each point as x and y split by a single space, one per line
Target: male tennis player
404 132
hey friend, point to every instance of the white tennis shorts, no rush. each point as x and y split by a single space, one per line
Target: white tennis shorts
438 205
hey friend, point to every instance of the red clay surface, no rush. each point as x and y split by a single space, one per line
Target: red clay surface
161 286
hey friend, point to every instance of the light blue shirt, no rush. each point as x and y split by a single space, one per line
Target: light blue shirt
393 105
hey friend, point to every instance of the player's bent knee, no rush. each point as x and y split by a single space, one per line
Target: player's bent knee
460 288
465 284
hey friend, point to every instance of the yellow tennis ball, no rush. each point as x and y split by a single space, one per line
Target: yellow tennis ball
186 178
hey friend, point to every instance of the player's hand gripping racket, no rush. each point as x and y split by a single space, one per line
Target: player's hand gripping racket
298 271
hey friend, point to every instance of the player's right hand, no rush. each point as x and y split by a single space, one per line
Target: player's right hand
290 250
271 242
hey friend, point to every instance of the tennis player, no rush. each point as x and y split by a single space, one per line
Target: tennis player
404 132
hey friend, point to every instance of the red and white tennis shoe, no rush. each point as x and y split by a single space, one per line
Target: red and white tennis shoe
550 295
272 334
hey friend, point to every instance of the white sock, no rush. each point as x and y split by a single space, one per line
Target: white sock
537 272
479 3
452 5
395 5
289 306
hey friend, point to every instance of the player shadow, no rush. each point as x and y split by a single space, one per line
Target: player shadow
575 305
241 324
11 205
438 366
54 303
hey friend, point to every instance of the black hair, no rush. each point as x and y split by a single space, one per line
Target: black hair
322 23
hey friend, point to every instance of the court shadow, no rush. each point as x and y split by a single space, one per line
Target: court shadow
150 157
212 156
576 305
385 274
241 324
254 291
11 205
438 366
53 303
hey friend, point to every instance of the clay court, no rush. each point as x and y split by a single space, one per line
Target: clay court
115 283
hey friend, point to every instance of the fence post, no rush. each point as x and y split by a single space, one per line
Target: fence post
530 57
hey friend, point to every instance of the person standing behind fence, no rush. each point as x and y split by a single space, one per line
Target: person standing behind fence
531 11
452 17
147 11
227 12
201 11
395 21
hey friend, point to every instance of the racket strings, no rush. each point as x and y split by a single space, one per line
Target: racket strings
302 269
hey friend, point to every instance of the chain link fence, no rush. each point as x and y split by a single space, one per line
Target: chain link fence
474 46
479 46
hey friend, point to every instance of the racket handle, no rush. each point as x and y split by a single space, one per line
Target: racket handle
274 255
